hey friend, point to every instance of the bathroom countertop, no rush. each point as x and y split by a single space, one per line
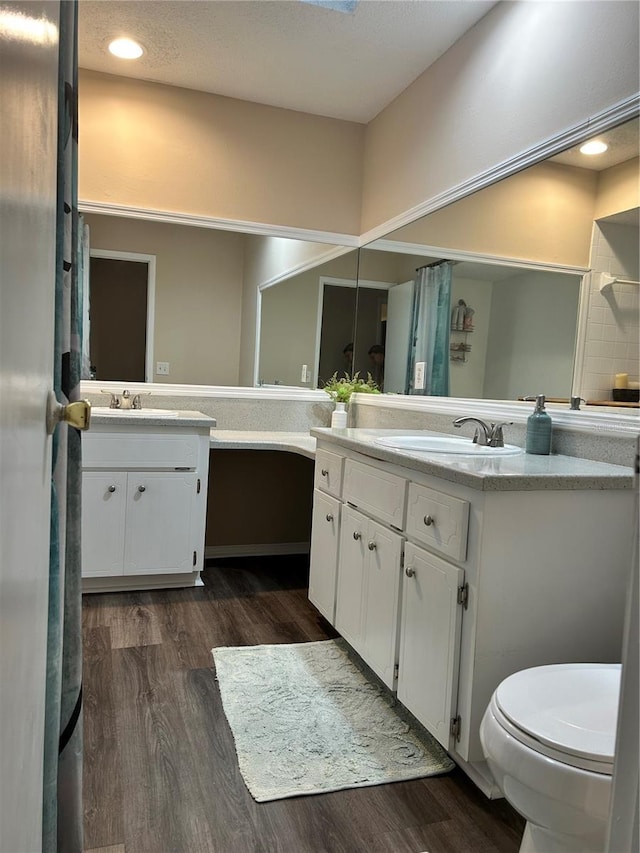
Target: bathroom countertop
523 472
150 417
236 439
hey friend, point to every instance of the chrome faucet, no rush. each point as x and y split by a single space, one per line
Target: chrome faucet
125 401
485 435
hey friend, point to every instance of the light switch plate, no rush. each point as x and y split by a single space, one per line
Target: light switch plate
418 375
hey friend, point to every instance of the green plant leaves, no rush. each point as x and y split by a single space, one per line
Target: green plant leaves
340 390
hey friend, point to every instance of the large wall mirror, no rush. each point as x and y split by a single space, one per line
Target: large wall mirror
524 319
229 308
174 303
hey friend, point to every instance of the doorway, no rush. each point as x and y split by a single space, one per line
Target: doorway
121 310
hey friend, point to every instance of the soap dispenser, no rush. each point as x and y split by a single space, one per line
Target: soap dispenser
539 429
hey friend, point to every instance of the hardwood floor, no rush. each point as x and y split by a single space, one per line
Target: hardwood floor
160 770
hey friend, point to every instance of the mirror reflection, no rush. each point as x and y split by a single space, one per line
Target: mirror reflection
229 308
509 330
517 251
201 286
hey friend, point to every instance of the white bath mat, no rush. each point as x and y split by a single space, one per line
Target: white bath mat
308 719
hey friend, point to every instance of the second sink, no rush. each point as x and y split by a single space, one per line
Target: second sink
445 444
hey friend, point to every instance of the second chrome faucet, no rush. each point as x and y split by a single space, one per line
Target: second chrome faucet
486 435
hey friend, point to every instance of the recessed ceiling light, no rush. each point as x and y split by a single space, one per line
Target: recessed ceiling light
126 49
594 147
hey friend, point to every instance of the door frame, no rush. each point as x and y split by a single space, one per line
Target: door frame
325 280
150 261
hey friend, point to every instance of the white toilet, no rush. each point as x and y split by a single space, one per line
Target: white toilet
549 736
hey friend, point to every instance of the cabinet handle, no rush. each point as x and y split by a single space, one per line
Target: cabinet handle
142 488
410 572
111 489
357 535
372 546
329 516
324 472
429 520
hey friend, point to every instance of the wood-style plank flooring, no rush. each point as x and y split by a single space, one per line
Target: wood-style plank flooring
160 770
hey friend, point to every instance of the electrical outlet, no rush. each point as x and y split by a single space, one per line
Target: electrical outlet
162 368
304 373
418 375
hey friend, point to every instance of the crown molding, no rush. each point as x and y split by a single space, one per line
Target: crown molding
605 120
264 229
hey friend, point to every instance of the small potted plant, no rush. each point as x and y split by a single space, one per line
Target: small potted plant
340 391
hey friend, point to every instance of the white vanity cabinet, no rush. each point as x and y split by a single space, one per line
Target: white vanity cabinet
457 586
144 491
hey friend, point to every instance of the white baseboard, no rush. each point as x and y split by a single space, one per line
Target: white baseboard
128 583
265 550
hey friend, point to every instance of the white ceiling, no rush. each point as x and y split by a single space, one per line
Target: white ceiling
285 53
622 142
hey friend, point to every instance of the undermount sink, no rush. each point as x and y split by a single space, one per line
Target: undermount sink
445 444
136 413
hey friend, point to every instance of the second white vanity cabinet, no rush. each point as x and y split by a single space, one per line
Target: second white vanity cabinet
433 598
325 532
450 576
368 591
323 569
144 490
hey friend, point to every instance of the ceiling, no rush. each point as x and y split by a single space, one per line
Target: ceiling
623 145
285 53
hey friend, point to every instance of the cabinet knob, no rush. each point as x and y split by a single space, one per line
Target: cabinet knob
357 535
329 516
111 489
324 472
372 546
429 520
142 488
410 572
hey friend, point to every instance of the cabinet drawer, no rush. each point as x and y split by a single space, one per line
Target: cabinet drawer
378 493
124 450
438 520
328 472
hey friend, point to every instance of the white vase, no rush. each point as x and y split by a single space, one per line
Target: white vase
339 416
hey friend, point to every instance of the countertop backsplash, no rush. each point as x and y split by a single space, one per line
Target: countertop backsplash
255 411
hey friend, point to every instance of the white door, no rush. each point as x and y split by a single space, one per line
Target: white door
430 640
396 353
28 105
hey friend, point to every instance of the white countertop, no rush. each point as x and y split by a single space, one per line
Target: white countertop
236 439
523 472
102 416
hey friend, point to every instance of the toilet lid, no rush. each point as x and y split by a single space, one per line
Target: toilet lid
572 708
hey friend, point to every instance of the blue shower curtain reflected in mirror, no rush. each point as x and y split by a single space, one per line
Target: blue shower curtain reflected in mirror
430 319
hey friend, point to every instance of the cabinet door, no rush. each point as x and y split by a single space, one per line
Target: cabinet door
158 534
383 554
103 518
430 640
350 601
324 554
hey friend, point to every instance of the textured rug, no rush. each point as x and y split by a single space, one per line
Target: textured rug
310 718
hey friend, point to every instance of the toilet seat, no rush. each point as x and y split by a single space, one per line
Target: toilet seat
567 712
